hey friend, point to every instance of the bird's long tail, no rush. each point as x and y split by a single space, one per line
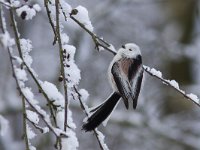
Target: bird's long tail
101 112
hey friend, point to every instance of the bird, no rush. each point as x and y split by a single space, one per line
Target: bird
125 74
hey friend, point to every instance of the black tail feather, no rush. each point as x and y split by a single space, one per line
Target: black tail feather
101 113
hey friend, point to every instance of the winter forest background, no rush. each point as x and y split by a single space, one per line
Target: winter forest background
168 33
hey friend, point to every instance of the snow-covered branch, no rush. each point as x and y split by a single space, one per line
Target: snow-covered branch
27 94
28 67
101 42
82 95
46 2
172 83
14 4
62 71
19 73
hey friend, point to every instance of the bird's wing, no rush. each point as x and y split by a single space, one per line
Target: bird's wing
122 83
135 75
136 89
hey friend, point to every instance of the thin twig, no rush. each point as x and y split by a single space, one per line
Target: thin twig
23 101
102 145
36 109
99 42
50 20
168 83
61 61
35 125
25 123
17 39
5 4
96 38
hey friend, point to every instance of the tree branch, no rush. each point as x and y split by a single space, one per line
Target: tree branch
61 61
107 47
25 124
35 125
99 42
168 82
50 20
97 133
37 109
17 39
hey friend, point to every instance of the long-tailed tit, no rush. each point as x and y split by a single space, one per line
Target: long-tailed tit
125 74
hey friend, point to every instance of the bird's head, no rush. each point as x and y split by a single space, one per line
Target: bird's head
129 50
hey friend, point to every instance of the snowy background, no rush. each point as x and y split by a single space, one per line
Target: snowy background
167 32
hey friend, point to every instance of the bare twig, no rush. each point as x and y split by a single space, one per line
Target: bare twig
25 124
61 61
102 145
50 20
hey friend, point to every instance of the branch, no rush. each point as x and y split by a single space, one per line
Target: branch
5 4
25 124
173 84
97 133
61 61
36 126
50 20
17 39
37 109
56 131
97 41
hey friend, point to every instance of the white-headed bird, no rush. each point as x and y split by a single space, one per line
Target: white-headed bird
125 74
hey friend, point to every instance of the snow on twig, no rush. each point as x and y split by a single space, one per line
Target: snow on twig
82 95
62 70
172 83
24 47
192 97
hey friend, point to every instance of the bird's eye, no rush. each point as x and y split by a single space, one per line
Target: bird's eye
123 46
130 49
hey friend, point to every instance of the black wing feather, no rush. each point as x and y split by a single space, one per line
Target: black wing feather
122 84
137 88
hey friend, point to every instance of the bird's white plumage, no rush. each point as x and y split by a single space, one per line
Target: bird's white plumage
130 50
125 76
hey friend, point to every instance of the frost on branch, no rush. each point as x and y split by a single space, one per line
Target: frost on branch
71 142
193 97
27 12
84 95
173 84
30 133
66 8
82 17
101 138
6 40
32 116
54 95
72 72
15 3
26 48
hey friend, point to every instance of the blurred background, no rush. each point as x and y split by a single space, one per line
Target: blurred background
168 33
